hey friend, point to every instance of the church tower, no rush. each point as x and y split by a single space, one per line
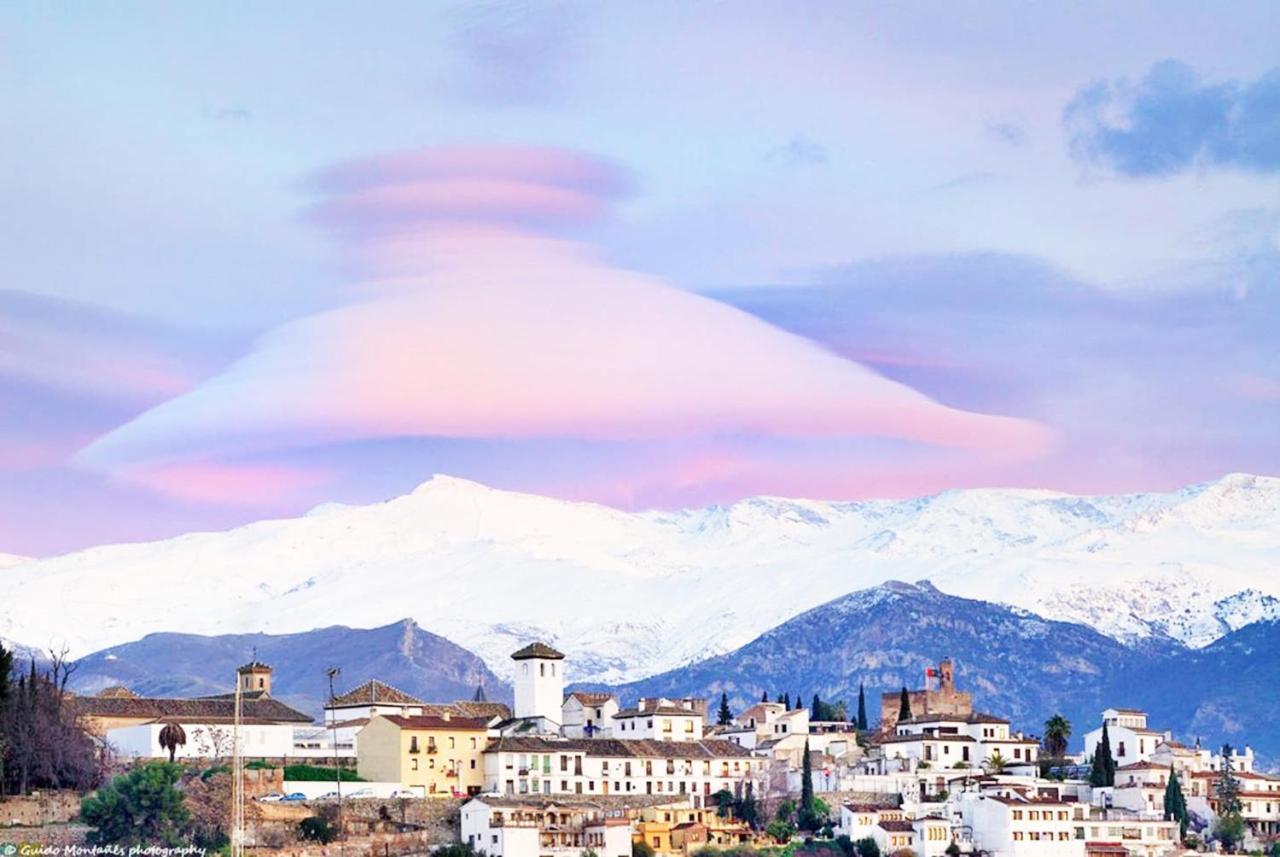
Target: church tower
254 676
539 682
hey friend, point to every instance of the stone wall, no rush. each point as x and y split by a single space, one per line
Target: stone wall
59 835
375 845
34 810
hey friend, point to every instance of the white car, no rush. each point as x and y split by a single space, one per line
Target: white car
399 793
361 793
274 797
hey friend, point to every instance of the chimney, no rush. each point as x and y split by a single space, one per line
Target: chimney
446 715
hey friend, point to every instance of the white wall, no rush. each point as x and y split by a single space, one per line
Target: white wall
204 740
539 688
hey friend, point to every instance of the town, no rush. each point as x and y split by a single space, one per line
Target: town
574 774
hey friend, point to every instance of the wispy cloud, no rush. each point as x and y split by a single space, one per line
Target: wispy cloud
1010 131
1173 120
799 151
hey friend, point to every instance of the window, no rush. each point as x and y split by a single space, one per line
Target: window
1120 751
413 744
452 743
413 764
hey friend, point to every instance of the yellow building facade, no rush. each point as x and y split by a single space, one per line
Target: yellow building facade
434 756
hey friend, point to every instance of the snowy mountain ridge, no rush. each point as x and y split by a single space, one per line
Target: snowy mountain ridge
632 594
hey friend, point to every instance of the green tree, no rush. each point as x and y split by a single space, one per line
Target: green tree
1175 804
862 708
724 803
786 701
640 848
1057 733
748 810
1231 830
806 814
904 705
867 847
142 807
799 702
1103 771
781 831
1231 826
995 763
725 716
6 707
764 697
816 711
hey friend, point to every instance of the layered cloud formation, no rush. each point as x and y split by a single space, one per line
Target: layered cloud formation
478 318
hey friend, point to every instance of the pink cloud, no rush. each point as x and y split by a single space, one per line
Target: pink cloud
496 332
259 486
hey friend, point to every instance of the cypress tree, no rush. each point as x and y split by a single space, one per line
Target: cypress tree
815 709
748 812
799 702
904 706
1175 803
764 696
1103 772
862 708
786 701
806 817
725 715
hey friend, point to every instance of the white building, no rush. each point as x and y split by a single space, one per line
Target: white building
945 741
662 719
766 721
609 766
1131 740
532 827
586 714
539 685
1012 825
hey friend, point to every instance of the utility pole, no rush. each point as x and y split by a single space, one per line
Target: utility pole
237 781
332 672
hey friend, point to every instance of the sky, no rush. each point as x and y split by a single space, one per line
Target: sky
258 257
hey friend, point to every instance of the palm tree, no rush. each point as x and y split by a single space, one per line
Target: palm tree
995 763
1057 732
171 738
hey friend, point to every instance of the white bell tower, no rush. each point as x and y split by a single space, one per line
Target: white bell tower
539 682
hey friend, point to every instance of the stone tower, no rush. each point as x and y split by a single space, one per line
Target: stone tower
254 677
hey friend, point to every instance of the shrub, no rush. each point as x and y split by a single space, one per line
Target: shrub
867 847
317 829
640 848
319 774
141 807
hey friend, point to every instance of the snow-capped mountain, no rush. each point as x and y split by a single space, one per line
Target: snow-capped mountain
8 559
632 594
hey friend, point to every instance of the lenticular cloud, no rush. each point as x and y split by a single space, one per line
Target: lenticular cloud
476 321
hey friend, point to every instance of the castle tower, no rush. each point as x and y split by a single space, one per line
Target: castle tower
539 682
946 676
253 677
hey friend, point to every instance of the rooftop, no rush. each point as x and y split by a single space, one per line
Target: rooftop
707 748
373 692
537 650
212 709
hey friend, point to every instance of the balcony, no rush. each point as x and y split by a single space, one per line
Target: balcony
431 749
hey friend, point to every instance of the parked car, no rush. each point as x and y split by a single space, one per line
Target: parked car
361 793
273 797
399 793
328 796
294 796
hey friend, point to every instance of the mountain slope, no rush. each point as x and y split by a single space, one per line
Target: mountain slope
1016 664
633 594
401 654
